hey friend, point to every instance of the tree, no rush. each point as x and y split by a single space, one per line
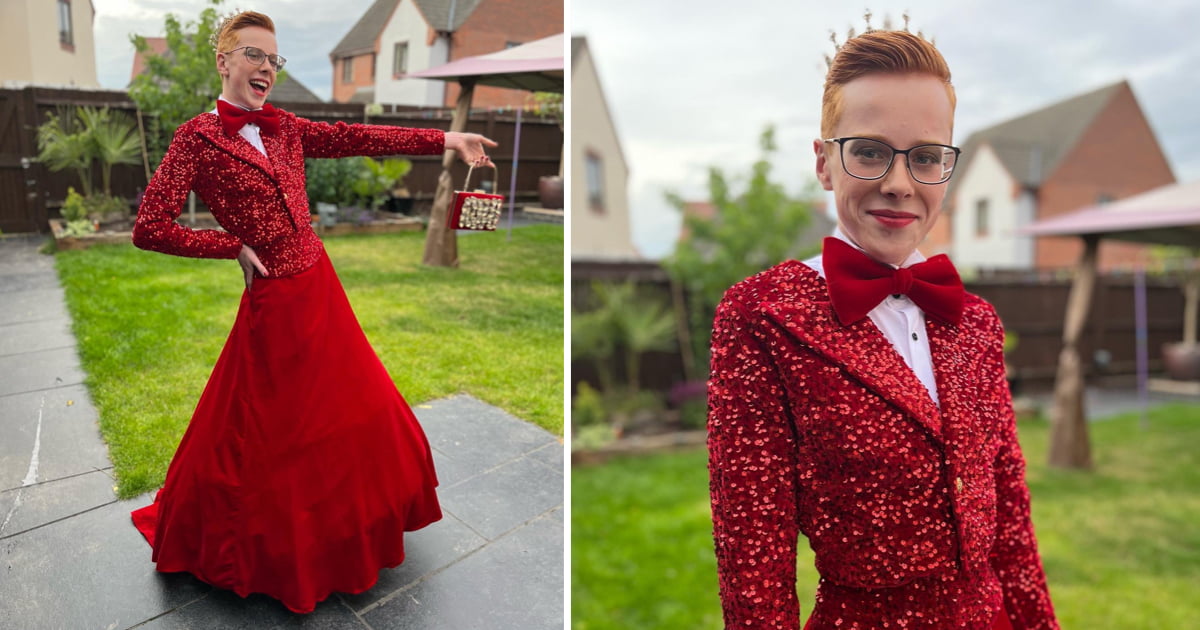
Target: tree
749 232
181 83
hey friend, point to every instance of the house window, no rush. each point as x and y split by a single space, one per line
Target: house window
981 218
1104 198
347 69
66 35
508 45
594 167
374 58
400 59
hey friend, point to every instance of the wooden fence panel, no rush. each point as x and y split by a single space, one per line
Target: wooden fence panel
1031 307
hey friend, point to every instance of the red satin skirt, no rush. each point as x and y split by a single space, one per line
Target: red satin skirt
302 466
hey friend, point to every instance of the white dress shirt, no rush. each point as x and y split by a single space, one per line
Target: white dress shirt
901 321
249 131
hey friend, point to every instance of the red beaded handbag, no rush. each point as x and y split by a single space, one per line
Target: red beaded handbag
475 210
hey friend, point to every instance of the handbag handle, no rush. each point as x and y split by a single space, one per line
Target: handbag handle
495 179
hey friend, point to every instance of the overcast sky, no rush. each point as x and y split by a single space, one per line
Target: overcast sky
306 30
695 87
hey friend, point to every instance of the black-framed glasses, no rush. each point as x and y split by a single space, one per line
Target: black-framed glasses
257 55
866 158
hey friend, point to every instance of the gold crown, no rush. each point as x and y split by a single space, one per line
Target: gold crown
851 33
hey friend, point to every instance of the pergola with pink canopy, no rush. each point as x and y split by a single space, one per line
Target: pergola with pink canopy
1169 215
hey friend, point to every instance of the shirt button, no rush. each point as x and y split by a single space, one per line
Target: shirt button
285 199
958 484
914 336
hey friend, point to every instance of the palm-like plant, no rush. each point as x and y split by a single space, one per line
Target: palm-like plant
111 139
74 138
63 144
621 321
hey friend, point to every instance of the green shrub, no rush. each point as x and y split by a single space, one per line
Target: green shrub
355 181
101 206
73 208
332 181
587 408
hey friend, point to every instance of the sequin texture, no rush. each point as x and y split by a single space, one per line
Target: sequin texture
918 515
258 200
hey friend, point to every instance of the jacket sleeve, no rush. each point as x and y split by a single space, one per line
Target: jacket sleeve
752 479
1014 556
156 229
325 140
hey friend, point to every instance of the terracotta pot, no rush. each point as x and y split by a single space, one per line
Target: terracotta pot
550 192
1182 361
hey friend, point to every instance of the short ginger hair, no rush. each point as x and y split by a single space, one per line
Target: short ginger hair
227 37
879 51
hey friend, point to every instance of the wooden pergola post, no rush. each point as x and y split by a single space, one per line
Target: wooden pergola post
441 243
1070 446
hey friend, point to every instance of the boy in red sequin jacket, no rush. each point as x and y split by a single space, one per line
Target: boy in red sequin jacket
859 398
246 162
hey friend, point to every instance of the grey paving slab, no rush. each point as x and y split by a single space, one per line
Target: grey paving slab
27 281
515 583
504 498
426 551
43 503
23 251
30 306
228 611
552 455
90 571
1101 402
46 334
69 442
39 370
473 436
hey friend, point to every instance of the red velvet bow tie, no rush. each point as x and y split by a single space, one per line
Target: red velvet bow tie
234 117
857 283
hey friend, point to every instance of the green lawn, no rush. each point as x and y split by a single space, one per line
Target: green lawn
150 328
1121 546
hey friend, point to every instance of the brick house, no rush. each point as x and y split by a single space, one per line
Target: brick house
395 37
1090 149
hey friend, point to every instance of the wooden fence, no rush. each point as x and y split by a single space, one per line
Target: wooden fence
30 193
1030 306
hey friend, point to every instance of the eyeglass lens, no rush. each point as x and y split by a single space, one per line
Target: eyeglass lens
870 159
257 55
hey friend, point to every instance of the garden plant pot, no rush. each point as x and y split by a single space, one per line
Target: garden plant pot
1182 360
550 192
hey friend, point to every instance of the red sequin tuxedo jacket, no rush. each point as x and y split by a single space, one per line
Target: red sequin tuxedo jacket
259 199
918 516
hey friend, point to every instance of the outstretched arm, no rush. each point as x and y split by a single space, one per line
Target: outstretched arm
325 140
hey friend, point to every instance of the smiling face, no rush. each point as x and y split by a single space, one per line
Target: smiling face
242 82
887 217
